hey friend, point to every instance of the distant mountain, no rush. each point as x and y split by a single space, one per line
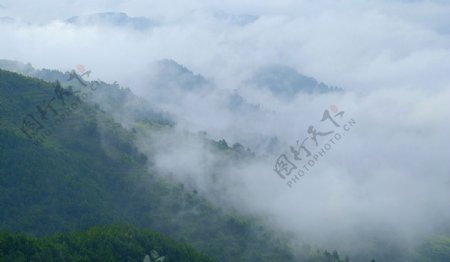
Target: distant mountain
280 80
170 83
287 82
236 19
118 101
171 75
237 103
28 70
7 20
113 19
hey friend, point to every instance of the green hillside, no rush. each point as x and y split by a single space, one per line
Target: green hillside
65 165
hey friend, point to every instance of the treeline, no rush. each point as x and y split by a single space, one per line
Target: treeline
104 243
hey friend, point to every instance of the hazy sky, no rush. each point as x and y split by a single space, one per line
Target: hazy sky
356 44
390 172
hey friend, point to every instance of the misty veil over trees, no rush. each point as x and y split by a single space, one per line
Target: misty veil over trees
198 130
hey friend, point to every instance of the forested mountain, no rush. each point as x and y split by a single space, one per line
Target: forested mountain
286 82
65 165
117 101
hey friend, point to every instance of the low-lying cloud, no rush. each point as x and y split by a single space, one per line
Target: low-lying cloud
387 178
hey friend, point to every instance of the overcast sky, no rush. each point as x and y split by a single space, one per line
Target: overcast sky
356 44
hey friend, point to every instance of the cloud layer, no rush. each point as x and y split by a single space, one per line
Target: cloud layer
390 173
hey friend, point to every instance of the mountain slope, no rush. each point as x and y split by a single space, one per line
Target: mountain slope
77 168
286 82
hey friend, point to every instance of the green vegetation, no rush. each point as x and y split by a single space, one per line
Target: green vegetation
103 243
87 172
436 249
82 170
